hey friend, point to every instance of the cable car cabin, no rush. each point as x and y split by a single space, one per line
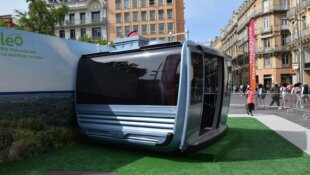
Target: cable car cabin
167 97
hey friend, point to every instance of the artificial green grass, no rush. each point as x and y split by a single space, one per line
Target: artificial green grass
259 151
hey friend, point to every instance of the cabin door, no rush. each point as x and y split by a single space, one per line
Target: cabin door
213 82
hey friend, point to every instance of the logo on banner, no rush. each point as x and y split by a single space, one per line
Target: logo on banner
11 40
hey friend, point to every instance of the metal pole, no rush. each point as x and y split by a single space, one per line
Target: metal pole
186 34
170 36
299 45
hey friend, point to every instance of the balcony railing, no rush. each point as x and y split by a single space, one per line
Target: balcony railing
272 49
266 29
83 21
259 12
284 27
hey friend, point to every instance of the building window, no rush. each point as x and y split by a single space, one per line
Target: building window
71 19
118 4
170 27
96 33
143 16
95 16
127 30
126 4
152 15
266 22
144 29
266 5
160 14
118 17
152 2
62 34
135 28
284 39
127 17
82 18
135 16
153 29
134 3
161 28
284 21
285 60
169 2
267 63
283 4
142 3
169 14
162 38
160 2
119 32
266 43
72 34
83 32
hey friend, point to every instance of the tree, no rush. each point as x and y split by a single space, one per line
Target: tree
41 17
86 38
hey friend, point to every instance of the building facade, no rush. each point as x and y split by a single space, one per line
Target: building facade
273 56
153 19
85 18
299 42
8 20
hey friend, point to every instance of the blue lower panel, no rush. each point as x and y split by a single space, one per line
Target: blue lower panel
143 125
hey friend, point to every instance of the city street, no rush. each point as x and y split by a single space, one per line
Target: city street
237 106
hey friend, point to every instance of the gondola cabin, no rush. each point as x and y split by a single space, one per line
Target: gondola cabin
165 96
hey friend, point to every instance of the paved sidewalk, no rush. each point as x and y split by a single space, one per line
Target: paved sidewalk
295 117
296 134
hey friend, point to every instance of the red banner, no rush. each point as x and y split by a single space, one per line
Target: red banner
252 54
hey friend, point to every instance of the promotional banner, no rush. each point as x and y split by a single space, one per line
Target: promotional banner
252 54
37 74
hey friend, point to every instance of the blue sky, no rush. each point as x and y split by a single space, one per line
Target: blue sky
204 18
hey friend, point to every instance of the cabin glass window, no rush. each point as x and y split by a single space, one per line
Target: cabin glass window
138 78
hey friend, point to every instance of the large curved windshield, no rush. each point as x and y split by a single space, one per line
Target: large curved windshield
137 78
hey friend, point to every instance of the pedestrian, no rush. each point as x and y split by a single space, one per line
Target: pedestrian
261 94
305 92
275 95
296 92
244 89
283 92
250 101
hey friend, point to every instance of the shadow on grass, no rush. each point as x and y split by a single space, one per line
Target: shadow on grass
261 144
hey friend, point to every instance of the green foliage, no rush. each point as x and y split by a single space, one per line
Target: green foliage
35 125
26 147
2 24
86 38
56 138
6 138
41 17
17 27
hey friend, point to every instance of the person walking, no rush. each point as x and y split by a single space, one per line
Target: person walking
250 101
261 94
283 92
296 91
305 91
275 95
